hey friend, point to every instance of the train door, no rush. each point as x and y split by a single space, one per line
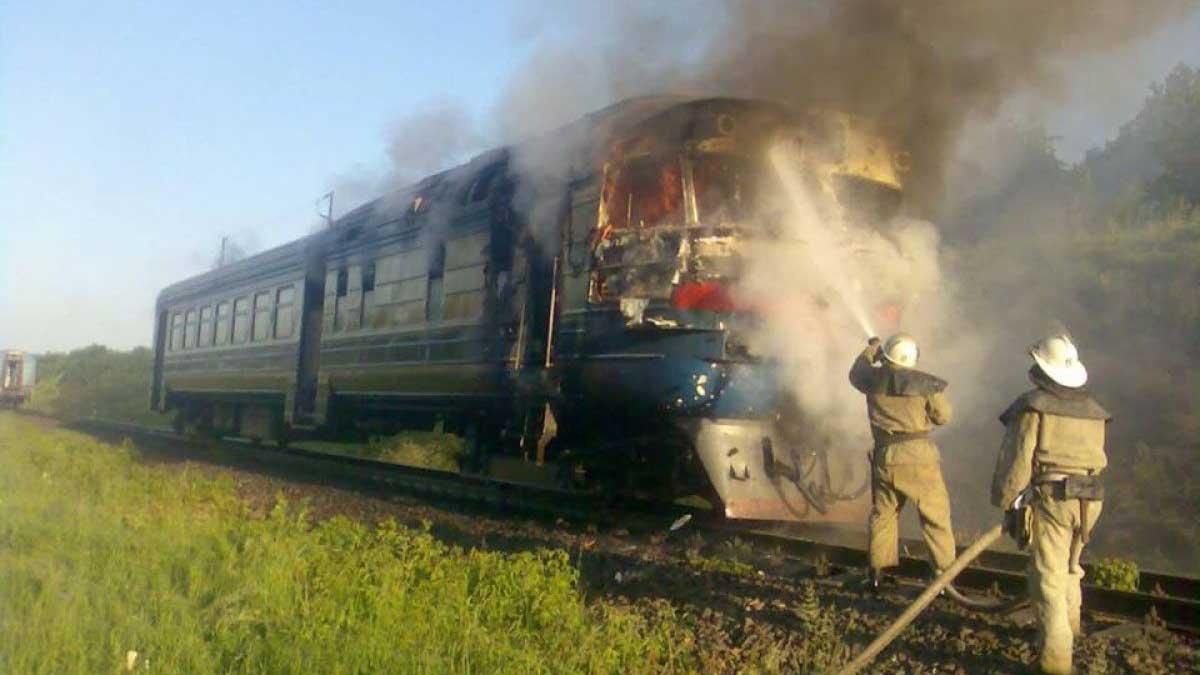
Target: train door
310 341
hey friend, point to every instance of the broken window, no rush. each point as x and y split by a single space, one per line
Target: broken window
645 192
648 244
481 187
726 188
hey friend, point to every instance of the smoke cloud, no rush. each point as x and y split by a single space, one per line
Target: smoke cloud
930 71
438 136
923 67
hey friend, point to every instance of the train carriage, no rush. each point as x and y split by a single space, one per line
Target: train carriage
17 375
565 303
231 344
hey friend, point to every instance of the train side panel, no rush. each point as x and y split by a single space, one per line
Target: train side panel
417 297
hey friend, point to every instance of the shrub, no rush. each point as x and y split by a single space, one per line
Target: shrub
96 382
1114 573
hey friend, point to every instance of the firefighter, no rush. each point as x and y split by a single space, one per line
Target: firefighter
903 406
1053 451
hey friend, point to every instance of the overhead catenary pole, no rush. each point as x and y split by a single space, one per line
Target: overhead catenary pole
329 210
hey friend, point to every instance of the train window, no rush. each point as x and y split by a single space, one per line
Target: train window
725 187
482 185
177 332
222 333
241 320
284 311
206 327
189 330
368 279
645 192
262 316
343 279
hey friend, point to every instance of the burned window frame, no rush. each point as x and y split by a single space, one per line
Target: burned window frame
649 261
611 239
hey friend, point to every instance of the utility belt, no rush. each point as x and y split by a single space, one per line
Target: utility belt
1087 488
885 438
1065 486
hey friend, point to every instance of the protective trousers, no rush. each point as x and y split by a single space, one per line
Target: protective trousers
894 484
1055 575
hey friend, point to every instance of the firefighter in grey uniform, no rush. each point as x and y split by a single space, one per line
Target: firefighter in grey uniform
903 407
1053 451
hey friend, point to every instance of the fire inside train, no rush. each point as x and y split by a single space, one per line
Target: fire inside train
564 304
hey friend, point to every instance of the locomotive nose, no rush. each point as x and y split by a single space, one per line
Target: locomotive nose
760 472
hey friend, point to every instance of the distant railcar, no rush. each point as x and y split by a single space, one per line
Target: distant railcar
17 378
562 303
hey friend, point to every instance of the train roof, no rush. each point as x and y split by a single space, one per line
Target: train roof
443 186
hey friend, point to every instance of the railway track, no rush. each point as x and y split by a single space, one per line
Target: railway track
1167 600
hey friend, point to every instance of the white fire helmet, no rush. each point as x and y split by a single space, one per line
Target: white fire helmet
1058 358
901 349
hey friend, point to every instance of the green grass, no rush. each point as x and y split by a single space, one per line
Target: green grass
101 554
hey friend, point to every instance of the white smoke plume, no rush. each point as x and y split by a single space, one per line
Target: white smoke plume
826 284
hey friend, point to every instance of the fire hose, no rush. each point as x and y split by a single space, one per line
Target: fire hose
885 638
942 582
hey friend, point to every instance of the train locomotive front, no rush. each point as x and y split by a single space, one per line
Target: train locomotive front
658 367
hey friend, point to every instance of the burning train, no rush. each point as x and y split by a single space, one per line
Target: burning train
580 331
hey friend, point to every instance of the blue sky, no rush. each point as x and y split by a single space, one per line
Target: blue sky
133 135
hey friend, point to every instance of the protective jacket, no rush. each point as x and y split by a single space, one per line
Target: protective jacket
903 406
1053 428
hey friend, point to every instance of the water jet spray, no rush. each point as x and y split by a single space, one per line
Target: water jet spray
824 252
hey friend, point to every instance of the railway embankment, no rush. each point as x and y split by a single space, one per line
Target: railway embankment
197 561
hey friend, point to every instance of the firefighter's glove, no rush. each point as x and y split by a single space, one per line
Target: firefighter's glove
872 351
